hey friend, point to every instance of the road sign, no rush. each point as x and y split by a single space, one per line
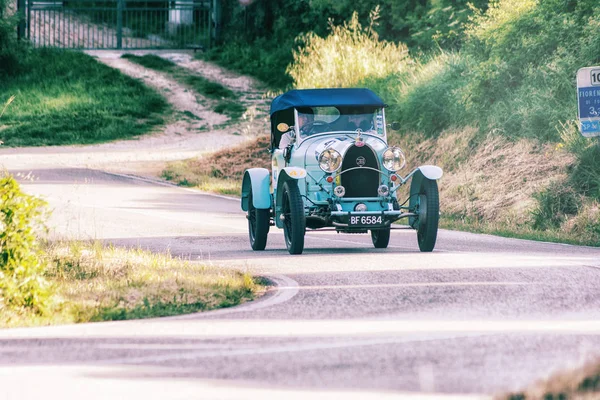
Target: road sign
588 100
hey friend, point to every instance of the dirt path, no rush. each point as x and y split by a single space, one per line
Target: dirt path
190 133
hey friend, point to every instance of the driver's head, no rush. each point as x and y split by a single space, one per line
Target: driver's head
306 115
356 121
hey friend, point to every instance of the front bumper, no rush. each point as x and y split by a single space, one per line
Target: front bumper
364 219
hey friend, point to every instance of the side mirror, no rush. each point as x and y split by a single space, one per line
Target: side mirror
283 127
395 125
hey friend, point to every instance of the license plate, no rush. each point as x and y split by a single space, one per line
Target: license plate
365 220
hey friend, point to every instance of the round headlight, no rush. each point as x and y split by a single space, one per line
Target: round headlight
393 159
330 160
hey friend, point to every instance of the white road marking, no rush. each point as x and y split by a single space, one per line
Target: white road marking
409 285
301 328
278 297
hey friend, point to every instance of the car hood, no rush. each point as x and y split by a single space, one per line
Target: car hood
313 147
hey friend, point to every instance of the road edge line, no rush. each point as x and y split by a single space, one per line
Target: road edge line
163 183
285 289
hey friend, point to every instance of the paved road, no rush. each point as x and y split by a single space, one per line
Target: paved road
480 315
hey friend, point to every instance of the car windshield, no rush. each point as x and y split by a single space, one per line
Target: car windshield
313 120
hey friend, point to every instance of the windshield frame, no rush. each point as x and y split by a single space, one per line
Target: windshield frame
373 132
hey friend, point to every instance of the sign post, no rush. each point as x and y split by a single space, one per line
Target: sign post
588 100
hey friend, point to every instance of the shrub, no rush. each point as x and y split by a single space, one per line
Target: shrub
22 286
429 97
586 174
349 54
555 204
11 51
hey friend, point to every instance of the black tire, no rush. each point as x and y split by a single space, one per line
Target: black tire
294 221
429 215
380 237
258 225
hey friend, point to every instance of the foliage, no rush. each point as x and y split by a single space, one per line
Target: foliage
347 55
22 286
258 39
10 49
555 204
65 97
263 58
422 25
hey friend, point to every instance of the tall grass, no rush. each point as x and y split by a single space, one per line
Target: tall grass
349 54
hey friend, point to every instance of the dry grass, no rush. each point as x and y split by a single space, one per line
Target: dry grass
93 282
346 56
221 172
493 180
579 384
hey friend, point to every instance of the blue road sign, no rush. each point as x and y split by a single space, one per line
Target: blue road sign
588 100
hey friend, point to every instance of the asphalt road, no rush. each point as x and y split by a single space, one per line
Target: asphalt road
478 316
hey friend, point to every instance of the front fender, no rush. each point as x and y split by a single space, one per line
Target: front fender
287 174
256 180
431 172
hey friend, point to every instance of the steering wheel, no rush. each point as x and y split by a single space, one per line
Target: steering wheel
309 127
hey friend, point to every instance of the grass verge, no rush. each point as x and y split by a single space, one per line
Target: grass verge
226 101
521 231
579 384
94 282
221 172
64 97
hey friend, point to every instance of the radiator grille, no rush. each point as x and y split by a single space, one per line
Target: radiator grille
360 182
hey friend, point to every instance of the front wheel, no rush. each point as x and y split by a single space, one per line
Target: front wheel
258 225
380 237
428 215
294 221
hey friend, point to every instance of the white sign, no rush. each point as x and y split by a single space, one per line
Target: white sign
588 100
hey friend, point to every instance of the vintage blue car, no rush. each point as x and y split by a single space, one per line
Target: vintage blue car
333 169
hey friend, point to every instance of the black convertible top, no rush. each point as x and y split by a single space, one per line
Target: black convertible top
325 97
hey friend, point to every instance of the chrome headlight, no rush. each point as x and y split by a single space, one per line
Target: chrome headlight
330 160
393 159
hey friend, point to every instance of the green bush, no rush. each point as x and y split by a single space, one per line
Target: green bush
557 202
11 51
586 173
264 58
22 265
428 98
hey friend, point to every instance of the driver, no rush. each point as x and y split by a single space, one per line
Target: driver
364 122
306 119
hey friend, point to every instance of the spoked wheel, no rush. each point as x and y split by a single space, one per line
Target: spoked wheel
294 221
380 237
428 215
258 225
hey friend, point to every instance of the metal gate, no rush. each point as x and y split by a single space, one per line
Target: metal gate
119 24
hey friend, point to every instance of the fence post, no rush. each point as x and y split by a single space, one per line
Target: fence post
120 23
21 10
216 20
